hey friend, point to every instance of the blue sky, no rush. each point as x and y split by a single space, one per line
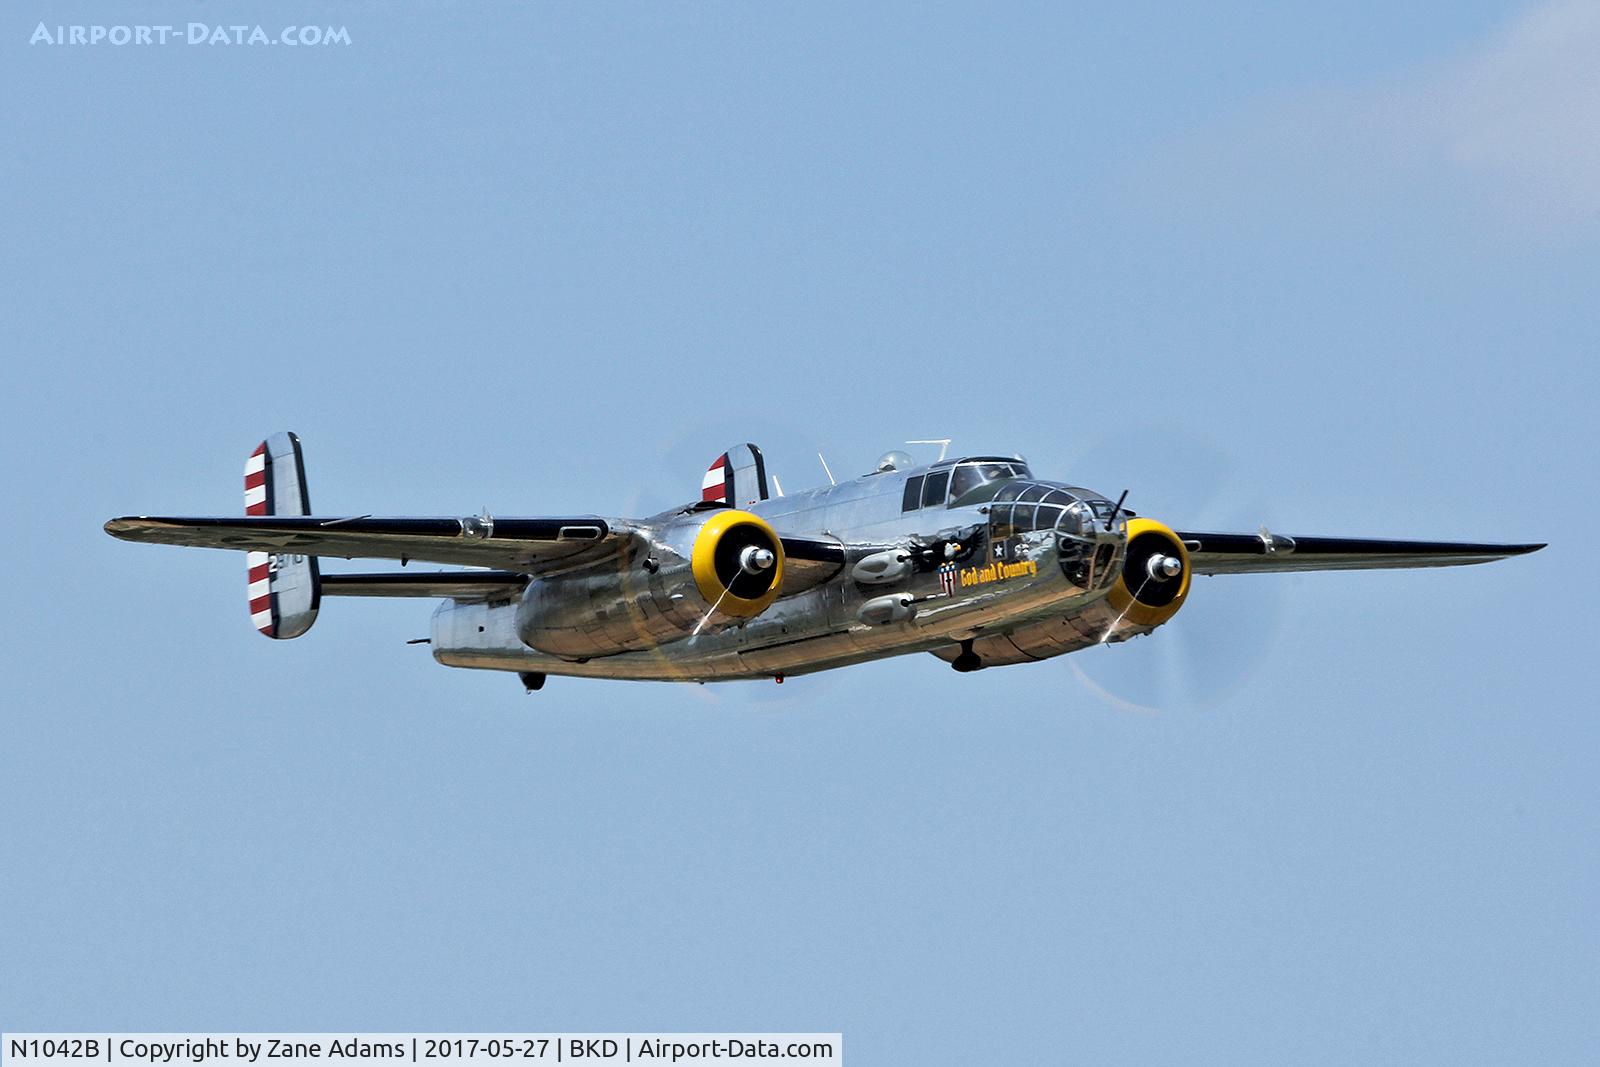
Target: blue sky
1332 270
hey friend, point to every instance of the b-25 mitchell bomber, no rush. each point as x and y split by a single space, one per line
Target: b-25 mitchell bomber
974 560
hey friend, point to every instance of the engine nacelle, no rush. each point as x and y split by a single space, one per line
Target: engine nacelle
737 562
687 575
1155 575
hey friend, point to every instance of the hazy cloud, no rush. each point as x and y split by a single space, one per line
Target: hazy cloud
1508 131
1525 112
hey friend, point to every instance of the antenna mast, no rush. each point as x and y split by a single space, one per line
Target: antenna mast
825 469
942 442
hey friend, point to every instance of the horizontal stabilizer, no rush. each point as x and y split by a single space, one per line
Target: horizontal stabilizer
457 585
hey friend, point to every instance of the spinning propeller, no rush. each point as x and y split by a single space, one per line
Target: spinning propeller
1225 629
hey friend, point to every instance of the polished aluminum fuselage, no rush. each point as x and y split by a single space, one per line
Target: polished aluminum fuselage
994 590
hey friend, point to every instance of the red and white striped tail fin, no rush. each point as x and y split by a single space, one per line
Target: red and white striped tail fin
284 590
255 482
714 486
737 477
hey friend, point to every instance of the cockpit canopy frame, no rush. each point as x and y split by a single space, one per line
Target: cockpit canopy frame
961 482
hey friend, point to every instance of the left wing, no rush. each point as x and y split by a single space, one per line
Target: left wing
525 545
808 562
1233 553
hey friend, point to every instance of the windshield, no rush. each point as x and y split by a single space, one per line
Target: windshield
971 475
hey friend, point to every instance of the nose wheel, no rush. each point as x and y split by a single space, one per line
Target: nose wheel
968 661
532 681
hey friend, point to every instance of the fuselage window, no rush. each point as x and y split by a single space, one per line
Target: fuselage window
933 488
1010 491
913 497
1000 526
1047 516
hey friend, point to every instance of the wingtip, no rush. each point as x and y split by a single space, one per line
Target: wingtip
128 527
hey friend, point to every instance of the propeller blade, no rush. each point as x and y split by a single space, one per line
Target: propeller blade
1225 630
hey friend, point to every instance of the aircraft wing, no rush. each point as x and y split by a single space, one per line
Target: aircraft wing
523 546
808 562
1234 553
529 546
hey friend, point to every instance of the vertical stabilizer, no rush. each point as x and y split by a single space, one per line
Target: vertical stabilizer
284 589
738 477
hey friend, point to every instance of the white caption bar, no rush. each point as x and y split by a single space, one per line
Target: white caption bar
434 1050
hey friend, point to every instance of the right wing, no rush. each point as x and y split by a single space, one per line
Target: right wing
527 545
1235 553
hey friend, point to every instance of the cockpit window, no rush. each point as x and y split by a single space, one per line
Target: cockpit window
972 475
965 482
913 498
964 479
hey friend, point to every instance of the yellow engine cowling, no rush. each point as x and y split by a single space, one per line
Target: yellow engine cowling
719 563
1148 592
